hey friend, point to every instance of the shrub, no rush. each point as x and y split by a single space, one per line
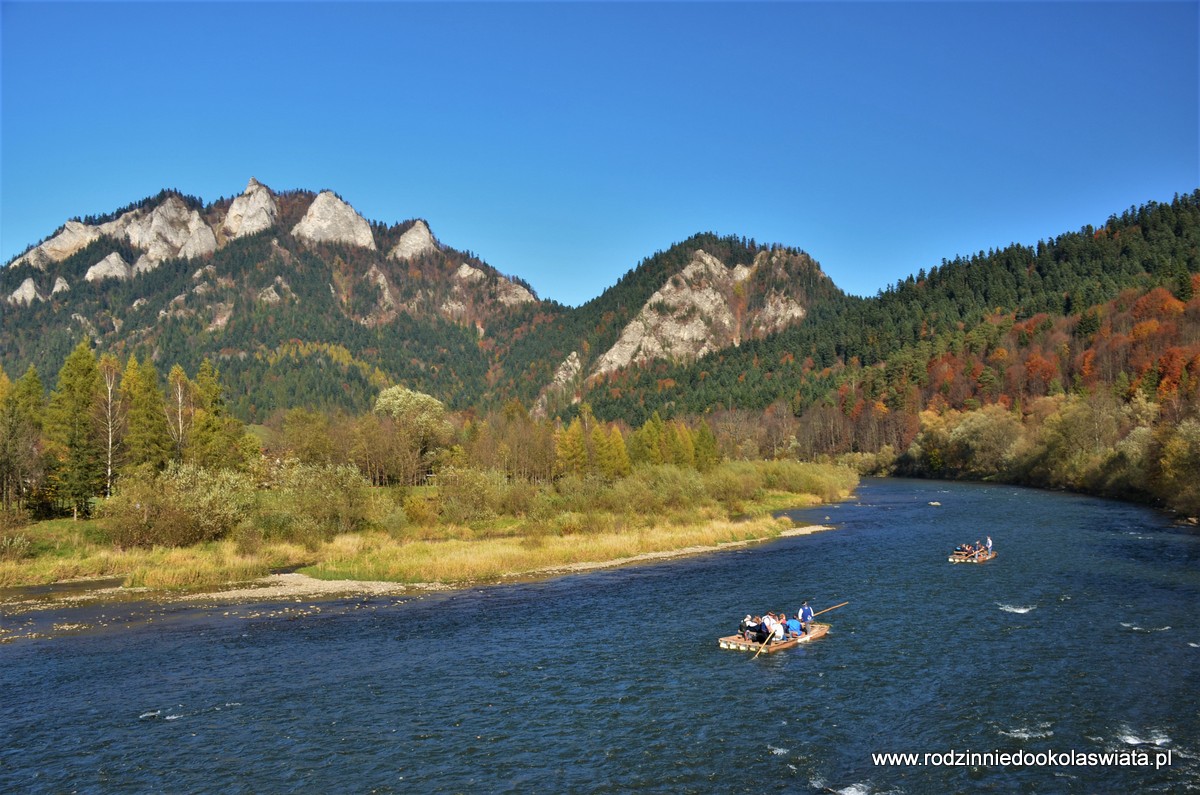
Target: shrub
468 495
182 506
12 519
674 487
578 493
828 483
733 483
420 510
518 497
15 547
324 500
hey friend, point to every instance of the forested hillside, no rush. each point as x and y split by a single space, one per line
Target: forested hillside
900 331
1073 363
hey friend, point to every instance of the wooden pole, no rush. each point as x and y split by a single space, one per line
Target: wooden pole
826 610
763 645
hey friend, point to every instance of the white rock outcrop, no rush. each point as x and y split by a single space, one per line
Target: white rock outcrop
26 294
72 238
276 291
169 230
331 220
60 286
468 274
566 380
253 211
507 292
111 267
416 241
510 293
686 318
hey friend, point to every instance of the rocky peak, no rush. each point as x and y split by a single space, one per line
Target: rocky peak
686 318
169 230
26 294
413 243
253 211
507 292
331 220
72 238
111 267
704 308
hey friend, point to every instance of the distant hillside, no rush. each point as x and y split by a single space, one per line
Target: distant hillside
889 341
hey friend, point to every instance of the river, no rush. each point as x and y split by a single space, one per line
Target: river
1081 638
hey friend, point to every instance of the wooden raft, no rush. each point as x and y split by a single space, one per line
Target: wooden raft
984 558
738 643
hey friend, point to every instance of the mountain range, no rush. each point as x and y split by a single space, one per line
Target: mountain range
300 300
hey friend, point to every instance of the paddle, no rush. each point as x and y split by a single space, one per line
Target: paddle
762 646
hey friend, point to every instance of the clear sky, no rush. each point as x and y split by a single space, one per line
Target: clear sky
564 142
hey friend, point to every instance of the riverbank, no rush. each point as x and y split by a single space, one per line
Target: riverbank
298 585
92 602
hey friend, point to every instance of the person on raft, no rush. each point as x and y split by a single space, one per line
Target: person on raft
794 628
747 625
806 616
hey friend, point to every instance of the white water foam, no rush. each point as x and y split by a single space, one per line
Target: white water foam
1194 645
1028 733
1015 608
1136 628
777 751
152 714
1157 737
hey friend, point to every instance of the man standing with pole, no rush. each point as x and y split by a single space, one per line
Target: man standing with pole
806 616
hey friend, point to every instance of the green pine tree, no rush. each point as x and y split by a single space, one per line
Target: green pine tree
71 427
147 440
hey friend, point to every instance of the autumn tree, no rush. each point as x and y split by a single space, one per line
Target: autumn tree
572 454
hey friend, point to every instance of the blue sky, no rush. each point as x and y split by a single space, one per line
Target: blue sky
564 142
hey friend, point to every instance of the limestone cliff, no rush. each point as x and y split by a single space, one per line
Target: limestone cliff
705 307
169 230
331 220
416 241
111 267
26 294
253 211
73 237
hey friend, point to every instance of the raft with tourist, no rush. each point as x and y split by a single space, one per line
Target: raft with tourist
978 552
772 632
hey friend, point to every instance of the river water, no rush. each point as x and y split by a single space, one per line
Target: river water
1081 637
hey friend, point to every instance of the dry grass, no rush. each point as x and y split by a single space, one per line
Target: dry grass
377 558
563 529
